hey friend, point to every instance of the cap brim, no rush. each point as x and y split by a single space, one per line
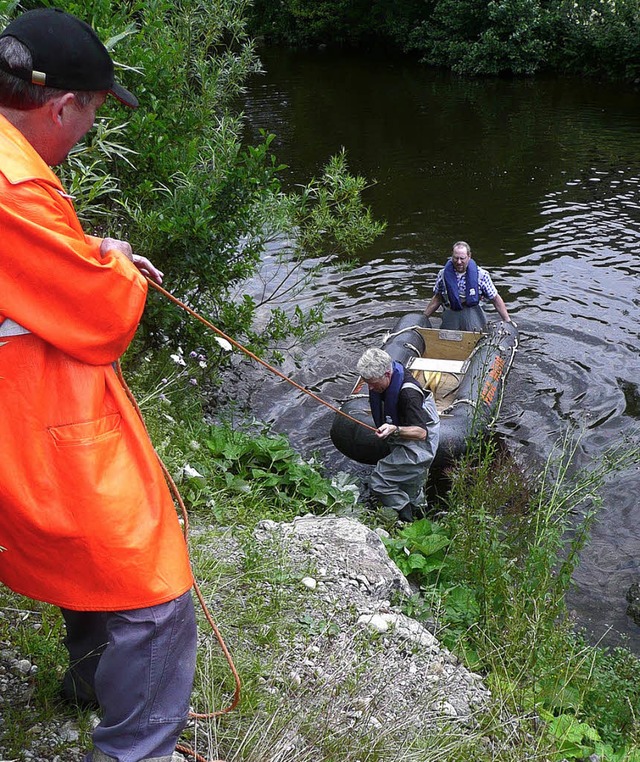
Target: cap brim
123 95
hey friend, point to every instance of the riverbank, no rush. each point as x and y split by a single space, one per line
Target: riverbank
330 666
309 631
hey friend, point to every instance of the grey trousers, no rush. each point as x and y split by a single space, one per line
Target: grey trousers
398 479
140 665
466 319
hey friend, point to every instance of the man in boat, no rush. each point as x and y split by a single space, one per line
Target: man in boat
407 417
460 286
86 520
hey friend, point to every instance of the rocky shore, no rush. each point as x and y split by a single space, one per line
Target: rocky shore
350 652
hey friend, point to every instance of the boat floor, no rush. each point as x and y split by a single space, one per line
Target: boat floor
443 363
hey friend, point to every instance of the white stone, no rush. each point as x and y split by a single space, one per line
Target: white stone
69 732
377 622
309 582
445 707
24 666
363 581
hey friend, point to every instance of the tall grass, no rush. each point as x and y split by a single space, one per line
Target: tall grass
494 573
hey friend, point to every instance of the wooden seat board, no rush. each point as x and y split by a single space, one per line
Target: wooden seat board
437 365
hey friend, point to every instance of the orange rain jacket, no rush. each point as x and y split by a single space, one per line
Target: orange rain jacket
86 519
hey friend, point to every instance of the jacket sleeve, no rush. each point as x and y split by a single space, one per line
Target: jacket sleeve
55 283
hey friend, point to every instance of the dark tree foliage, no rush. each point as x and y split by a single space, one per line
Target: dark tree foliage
599 38
353 23
480 37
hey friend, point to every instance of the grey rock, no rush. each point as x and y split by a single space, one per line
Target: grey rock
407 670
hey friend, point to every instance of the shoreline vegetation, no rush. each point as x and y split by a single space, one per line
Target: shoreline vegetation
489 572
598 39
491 569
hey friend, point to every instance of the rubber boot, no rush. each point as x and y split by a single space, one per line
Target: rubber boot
405 513
76 690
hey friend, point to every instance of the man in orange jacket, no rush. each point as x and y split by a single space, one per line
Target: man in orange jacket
86 520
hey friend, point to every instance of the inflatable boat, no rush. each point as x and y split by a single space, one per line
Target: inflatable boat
465 370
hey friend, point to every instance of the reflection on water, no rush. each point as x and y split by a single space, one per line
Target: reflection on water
543 179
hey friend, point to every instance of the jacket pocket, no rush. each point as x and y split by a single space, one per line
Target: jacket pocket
87 432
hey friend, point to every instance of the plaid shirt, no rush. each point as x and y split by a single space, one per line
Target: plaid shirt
485 285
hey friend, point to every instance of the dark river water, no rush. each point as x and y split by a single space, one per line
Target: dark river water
542 178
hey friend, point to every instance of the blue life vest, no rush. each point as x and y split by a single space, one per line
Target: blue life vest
472 292
385 404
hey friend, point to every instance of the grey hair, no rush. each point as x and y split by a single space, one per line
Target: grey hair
374 363
22 95
462 243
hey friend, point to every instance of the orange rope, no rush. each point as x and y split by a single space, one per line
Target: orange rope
174 490
255 357
191 753
185 516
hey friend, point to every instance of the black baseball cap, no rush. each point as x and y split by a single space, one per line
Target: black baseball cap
67 54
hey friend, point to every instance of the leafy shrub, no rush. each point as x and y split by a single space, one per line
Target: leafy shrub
267 464
177 181
599 38
484 37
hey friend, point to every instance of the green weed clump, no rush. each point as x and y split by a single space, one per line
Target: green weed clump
493 575
234 470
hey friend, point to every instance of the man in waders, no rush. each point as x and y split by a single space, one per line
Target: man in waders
460 286
407 417
86 520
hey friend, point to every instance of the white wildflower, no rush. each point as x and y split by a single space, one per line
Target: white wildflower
191 473
226 345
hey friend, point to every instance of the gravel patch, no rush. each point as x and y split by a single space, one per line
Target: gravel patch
58 739
348 660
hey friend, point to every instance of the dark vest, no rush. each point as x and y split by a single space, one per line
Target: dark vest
385 404
472 292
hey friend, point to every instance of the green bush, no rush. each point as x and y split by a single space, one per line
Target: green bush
599 38
486 36
176 179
